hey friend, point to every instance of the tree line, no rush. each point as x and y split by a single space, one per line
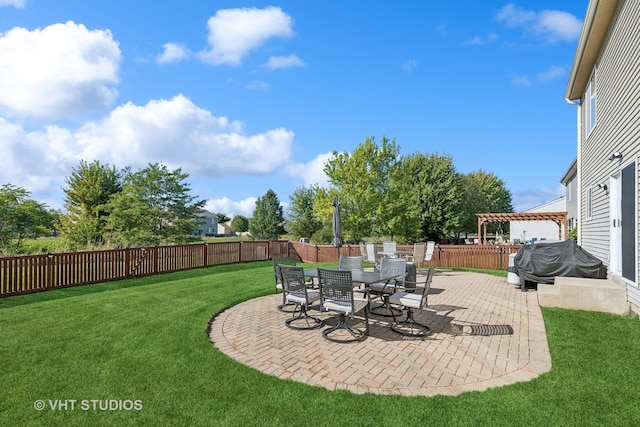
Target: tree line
407 198
105 207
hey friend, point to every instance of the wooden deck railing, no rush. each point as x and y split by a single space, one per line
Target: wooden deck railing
35 273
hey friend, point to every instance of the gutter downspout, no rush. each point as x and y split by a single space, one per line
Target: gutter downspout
577 103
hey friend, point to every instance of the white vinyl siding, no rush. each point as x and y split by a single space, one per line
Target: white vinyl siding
590 101
618 129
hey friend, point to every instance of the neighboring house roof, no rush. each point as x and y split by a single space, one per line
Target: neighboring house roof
594 31
557 205
571 173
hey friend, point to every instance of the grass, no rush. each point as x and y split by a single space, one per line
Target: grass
146 340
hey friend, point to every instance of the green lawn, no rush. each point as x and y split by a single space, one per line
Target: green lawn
145 341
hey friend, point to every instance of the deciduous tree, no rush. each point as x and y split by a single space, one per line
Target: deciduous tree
303 221
361 180
240 224
20 217
482 192
432 191
155 206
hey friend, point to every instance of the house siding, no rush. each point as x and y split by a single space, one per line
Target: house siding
540 230
617 129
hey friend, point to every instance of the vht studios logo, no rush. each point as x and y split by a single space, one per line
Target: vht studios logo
88 405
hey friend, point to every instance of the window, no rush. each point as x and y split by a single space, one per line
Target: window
590 104
587 201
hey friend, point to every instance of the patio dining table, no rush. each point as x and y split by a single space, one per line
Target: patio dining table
358 276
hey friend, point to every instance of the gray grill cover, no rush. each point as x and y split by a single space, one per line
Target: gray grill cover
542 262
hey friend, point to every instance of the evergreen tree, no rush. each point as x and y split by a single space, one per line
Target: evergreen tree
268 218
88 190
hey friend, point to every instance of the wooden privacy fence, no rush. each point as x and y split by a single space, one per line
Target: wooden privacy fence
34 273
489 257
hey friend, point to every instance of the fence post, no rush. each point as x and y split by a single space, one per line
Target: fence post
49 271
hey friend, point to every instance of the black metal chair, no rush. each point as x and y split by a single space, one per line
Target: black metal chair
382 290
410 296
278 278
337 294
297 292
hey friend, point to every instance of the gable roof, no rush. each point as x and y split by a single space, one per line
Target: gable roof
594 31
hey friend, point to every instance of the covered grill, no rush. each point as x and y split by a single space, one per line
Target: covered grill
542 262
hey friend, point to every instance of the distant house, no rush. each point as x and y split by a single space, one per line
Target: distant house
207 223
224 229
530 231
604 84
570 181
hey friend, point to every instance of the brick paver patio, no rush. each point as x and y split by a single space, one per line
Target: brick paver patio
486 333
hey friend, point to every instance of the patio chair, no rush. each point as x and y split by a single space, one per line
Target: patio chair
372 254
431 246
363 250
346 262
278 278
389 249
382 290
410 296
337 294
419 252
297 292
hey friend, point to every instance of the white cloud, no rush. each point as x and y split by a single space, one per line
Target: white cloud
551 25
410 66
514 17
179 134
554 72
277 62
521 81
258 85
61 71
557 25
174 132
173 52
233 33
18 4
478 40
232 208
311 173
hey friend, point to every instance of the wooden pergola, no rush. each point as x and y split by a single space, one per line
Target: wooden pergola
559 218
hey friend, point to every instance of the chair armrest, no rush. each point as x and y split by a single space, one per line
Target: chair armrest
413 286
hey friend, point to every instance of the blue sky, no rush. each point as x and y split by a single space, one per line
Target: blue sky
247 97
